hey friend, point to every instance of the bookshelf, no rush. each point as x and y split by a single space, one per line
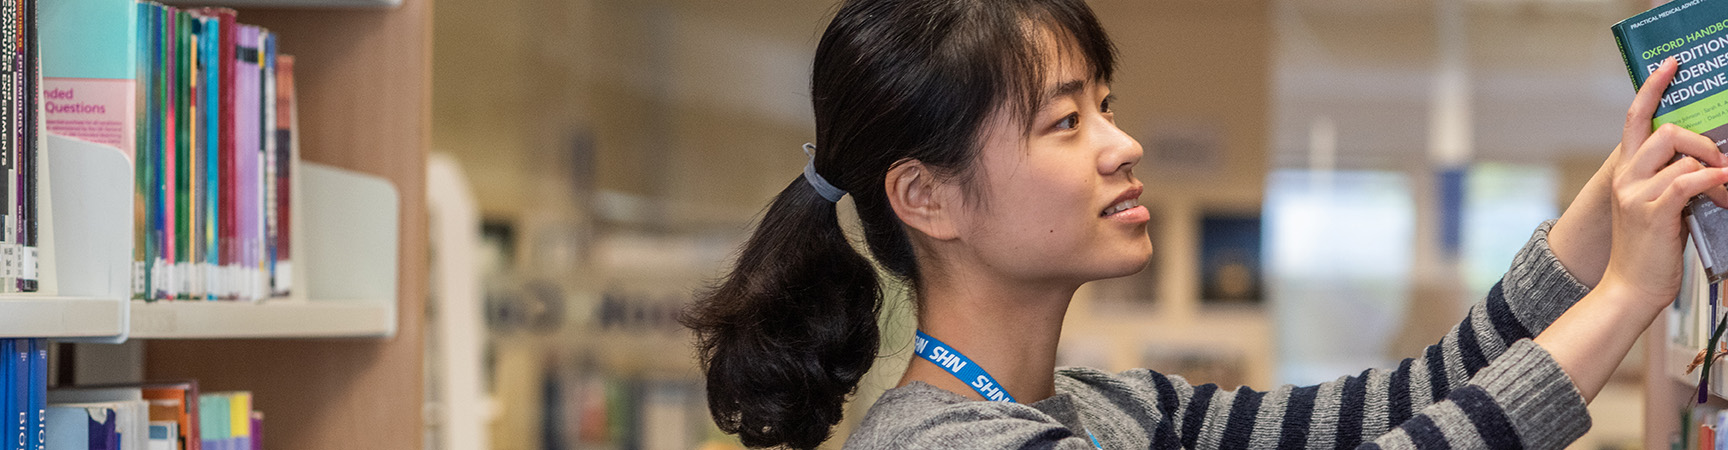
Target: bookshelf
346 246
340 365
364 82
1669 391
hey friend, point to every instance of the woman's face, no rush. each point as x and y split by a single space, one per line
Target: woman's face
1061 204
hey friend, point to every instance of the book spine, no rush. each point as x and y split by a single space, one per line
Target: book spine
212 149
159 126
32 144
170 148
1626 55
21 107
9 406
20 423
230 197
267 136
246 176
196 151
257 431
183 156
153 160
283 273
195 158
9 122
140 178
39 394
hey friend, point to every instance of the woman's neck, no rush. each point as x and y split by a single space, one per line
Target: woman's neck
1009 331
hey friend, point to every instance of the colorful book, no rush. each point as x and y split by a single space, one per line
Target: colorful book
18 424
89 69
267 163
132 412
32 146
287 151
80 427
175 401
214 420
248 132
228 40
10 122
38 394
1695 33
164 435
30 84
8 397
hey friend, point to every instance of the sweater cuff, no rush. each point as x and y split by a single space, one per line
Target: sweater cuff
1537 287
1537 396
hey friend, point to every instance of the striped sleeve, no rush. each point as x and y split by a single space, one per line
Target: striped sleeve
1484 385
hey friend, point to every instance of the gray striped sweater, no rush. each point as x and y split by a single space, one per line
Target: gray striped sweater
1485 385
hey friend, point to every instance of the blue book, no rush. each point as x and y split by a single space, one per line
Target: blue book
20 423
39 393
8 402
1695 33
215 424
83 427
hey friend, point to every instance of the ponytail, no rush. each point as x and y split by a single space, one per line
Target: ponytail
785 337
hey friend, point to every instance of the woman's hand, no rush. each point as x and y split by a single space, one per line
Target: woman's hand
1650 189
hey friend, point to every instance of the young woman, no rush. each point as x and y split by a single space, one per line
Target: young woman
977 142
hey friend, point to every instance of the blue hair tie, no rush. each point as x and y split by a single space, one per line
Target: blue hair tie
828 191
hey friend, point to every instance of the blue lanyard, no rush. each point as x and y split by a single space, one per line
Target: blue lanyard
964 369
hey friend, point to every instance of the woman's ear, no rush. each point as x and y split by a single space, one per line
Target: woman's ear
921 201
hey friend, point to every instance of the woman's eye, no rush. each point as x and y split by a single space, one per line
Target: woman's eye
1104 106
1070 122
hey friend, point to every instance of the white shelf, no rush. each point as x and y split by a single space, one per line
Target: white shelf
61 317
345 243
86 247
271 319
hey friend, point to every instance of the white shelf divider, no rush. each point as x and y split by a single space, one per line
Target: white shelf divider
345 246
345 229
85 242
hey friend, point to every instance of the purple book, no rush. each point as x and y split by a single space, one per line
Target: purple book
103 434
248 129
257 431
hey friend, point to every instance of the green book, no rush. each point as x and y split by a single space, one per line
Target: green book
182 156
1696 33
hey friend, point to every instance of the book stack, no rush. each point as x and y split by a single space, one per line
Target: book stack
154 416
204 107
23 393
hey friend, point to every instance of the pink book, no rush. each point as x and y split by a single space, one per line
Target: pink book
171 281
249 129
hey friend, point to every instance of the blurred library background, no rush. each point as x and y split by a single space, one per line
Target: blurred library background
1309 163
507 203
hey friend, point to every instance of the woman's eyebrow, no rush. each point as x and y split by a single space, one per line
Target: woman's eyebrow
1065 89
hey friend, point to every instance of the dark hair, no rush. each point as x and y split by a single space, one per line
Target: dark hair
785 337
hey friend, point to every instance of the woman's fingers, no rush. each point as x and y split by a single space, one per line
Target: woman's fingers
1670 140
1644 105
1697 180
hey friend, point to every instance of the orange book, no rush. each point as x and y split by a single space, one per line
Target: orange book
176 401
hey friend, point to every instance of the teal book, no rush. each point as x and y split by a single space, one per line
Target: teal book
1695 33
90 69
